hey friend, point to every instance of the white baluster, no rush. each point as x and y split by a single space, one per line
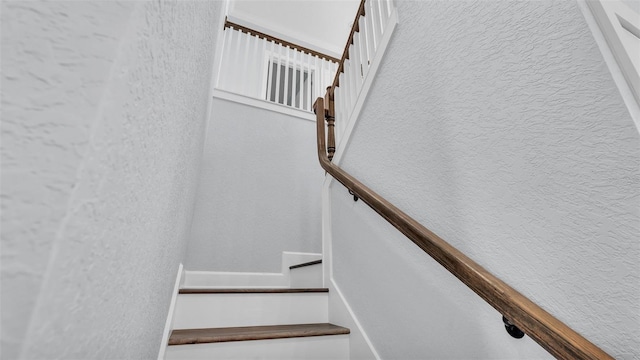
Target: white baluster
337 104
270 70
348 84
287 52
383 17
357 63
260 66
344 85
375 21
326 68
301 82
294 81
279 61
227 61
352 75
323 77
345 106
330 74
245 64
303 66
341 102
384 13
366 56
255 64
235 63
345 91
371 37
308 94
317 84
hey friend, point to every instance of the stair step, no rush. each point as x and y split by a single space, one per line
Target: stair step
214 335
335 347
251 291
221 308
315 262
197 279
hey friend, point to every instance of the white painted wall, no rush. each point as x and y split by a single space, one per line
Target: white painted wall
498 126
104 106
259 191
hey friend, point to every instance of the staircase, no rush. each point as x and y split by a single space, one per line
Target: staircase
257 322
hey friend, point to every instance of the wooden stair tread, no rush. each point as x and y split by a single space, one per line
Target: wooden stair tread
251 291
244 333
305 264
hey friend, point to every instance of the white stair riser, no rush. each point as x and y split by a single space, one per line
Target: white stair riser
221 279
307 277
210 279
195 311
316 347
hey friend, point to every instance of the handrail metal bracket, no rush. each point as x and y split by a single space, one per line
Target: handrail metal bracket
513 330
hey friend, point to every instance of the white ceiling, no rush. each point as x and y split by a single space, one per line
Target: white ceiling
322 25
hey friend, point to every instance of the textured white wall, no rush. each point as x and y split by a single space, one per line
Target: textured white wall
498 126
259 191
104 106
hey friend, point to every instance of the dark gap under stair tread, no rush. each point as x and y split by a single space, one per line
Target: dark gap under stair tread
305 264
251 291
245 333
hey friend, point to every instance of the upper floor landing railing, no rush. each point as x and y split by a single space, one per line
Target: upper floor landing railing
262 66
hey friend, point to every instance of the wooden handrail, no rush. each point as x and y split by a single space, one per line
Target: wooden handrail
246 30
554 336
345 54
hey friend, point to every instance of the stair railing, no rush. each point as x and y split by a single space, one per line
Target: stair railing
372 24
554 336
262 66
